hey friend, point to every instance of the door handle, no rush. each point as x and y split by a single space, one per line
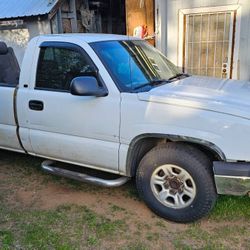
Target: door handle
36 105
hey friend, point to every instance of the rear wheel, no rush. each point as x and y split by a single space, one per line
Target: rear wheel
176 182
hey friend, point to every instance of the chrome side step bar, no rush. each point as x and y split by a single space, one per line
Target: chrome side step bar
48 167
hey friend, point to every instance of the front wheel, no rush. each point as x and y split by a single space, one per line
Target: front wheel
175 180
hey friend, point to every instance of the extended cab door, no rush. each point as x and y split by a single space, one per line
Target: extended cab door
8 128
77 129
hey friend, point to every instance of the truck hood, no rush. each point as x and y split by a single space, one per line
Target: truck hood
218 95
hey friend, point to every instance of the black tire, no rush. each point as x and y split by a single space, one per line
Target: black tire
191 161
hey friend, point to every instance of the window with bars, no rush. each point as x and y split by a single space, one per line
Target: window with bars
208 43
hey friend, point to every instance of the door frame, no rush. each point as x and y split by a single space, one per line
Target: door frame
234 72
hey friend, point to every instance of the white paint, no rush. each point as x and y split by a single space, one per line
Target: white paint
83 130
232 8
191 110
160 28
171 33
97 132
8 136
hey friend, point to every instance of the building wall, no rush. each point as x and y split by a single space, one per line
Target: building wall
167 28
18 38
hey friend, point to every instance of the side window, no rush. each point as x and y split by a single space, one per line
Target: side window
58 66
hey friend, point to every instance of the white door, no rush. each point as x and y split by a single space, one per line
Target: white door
8 129
209 43
77 129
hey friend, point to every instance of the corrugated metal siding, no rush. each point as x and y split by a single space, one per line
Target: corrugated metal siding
22 8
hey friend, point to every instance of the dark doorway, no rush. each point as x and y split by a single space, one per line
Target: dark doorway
106 16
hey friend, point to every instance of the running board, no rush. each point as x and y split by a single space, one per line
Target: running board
48 167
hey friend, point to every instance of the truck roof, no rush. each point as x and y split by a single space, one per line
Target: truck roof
91 37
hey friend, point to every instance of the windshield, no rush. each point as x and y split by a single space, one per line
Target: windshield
135 64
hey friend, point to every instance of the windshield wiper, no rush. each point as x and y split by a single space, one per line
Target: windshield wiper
178 76
158 81
152 83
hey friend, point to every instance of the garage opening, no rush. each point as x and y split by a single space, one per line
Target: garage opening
90 16
106 16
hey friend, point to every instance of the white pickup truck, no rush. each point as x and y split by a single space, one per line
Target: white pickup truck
116 104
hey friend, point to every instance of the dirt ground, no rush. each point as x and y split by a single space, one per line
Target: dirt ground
125 221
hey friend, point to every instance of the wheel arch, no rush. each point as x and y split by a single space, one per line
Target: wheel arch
143 143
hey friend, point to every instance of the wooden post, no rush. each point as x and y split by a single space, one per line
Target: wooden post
73 19
59 21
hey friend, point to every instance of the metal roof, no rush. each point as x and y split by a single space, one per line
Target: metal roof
24 8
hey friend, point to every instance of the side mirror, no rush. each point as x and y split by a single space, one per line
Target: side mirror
87 86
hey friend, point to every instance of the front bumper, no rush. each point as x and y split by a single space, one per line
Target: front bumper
232 178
